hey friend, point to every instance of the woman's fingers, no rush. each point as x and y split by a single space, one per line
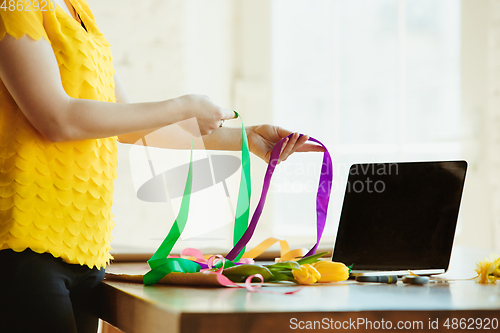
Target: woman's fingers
300 142
310 147
227 114
209 115
297 143
266 136
283 149
288 147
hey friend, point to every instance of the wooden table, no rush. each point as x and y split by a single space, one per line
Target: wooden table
349 305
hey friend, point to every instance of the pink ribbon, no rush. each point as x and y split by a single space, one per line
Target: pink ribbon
224 281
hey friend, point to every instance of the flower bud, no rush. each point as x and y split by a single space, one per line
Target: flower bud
331 271
485 269
307 274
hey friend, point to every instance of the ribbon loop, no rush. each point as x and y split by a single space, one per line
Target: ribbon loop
322 198
162 267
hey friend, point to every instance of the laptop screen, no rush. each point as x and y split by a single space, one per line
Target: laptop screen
400 215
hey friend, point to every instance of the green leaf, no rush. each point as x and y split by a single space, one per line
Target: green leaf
284 265
243 271
311 259
287 273
281 277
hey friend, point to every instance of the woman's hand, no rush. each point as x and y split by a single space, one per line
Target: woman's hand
208 115
262 138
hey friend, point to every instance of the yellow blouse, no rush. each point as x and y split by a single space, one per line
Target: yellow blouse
57 197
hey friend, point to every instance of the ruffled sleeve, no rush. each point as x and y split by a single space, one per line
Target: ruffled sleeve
85 6
19 23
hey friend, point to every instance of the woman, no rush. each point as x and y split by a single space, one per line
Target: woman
62 108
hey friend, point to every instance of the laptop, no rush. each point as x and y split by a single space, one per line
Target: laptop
400 217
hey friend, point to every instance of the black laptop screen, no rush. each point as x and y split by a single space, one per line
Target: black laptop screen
400 215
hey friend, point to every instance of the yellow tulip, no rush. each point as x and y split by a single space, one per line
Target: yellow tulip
331 271
496 261
307 274
484 268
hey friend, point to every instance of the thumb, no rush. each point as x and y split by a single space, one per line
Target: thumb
282 132
228 114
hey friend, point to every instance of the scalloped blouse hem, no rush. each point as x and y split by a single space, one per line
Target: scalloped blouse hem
66 259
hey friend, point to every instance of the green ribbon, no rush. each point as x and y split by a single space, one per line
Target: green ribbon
245 191
159 263
162 267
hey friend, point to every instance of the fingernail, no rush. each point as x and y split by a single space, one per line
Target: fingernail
284 144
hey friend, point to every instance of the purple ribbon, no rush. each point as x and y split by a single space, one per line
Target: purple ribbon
322 198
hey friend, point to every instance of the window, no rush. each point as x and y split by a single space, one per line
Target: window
375 80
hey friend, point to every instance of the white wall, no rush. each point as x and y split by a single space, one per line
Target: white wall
225 49
480 66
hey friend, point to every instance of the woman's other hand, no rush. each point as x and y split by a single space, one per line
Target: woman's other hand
262 138
209 116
